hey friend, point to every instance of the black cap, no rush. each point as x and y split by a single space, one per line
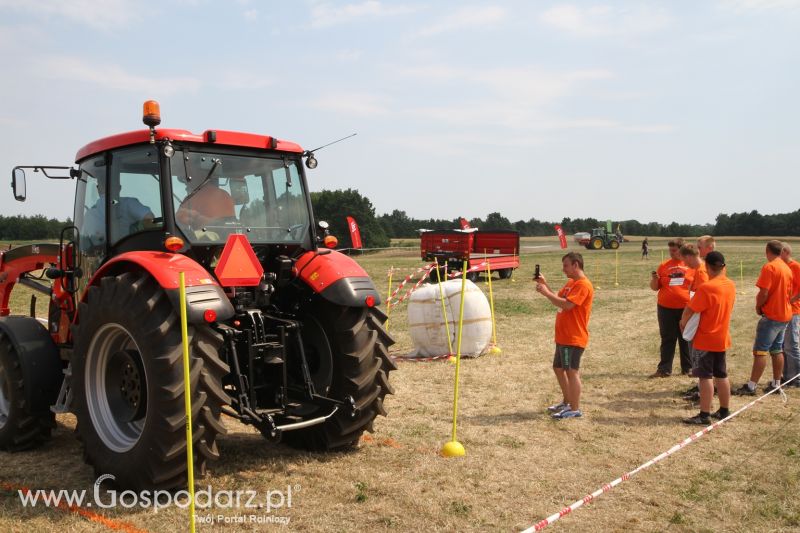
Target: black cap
715 259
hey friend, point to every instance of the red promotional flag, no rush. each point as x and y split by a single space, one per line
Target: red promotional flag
464 223
355 235
561 236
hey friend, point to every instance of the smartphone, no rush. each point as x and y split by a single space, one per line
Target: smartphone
536 273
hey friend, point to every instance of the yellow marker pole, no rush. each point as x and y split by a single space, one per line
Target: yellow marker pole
455 448
444 310
388 298
187 395
741 272
494 349
616 268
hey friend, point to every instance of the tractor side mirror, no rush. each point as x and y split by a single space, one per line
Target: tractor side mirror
18 184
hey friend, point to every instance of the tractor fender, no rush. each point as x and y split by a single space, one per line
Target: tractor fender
202 291
42 369
337 278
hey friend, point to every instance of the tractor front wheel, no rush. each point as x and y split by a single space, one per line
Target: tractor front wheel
614 244
19 428
358 350
128 390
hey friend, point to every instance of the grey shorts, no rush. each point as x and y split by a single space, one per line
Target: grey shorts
567 357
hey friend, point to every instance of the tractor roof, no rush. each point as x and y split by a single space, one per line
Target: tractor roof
221 137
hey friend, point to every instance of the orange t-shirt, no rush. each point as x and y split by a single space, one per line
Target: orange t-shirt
794 266
209 202
700 276
776 277
714 301
572 326
674 279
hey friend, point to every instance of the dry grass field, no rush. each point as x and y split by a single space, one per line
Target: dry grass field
521 466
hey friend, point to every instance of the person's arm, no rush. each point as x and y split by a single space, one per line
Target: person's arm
761 299
687 314
555 299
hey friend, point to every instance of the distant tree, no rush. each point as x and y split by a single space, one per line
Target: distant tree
334 206
496 221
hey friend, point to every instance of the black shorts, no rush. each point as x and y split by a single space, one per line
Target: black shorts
710 364
567 357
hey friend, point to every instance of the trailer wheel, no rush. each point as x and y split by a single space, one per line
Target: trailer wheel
505 273
361 365
127 384
473 276
19 429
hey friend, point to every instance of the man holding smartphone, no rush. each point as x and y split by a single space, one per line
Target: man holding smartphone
574 303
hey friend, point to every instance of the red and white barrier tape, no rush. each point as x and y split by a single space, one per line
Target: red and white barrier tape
408 278
608 486
415 287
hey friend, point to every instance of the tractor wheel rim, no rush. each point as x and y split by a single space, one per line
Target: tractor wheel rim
5 403
116 387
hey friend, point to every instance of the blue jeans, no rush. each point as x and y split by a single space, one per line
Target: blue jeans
769 337
791 349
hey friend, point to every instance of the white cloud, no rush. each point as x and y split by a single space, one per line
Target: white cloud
466 18
745 6
363 104
599 21
241 79
106 15
111 76
251 15
326 14
349 55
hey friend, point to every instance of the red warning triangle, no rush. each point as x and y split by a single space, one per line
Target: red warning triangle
238 265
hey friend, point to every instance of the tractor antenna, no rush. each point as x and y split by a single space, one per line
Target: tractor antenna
311 161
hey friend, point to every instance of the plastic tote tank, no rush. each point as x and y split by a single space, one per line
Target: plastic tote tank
426 322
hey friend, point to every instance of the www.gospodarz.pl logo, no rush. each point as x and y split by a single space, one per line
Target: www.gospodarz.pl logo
205 498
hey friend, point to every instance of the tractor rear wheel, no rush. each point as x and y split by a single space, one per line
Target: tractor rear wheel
19 428
596 243
358 349
127 383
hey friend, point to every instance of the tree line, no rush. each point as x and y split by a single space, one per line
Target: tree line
24 228
376 230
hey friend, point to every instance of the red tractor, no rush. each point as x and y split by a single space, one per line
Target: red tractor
284 333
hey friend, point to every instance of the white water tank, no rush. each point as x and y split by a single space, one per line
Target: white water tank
426 321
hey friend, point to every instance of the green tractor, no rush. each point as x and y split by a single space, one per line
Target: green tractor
602 238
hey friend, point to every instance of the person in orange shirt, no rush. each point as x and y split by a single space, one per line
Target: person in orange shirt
691 258
205 204
772 304
714 301
672 281
705 245
574 303
791 341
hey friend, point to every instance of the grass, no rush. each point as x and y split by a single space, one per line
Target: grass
520 466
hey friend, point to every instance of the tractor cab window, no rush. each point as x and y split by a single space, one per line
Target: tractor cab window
89 212
216 195
135 192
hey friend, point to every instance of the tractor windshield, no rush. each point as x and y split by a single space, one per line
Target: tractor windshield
218 194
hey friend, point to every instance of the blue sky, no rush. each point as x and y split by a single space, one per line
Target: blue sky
657 111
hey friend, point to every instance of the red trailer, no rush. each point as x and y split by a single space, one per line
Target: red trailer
451 247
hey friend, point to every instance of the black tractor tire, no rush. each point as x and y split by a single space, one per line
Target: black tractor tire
505 273
614 244
127 382
596 243
19 428
359 352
